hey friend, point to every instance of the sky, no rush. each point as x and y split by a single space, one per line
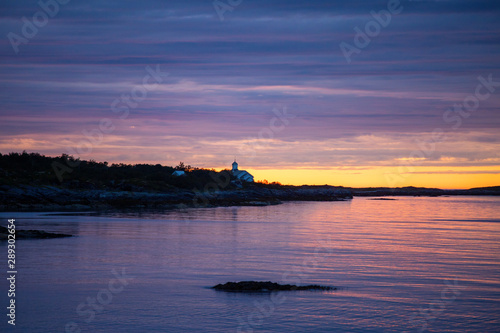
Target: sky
351 93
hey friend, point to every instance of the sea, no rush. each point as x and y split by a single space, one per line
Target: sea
411 264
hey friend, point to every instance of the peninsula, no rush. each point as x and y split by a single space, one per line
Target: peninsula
33 182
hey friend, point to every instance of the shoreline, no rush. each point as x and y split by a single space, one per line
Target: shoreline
28 198
51 198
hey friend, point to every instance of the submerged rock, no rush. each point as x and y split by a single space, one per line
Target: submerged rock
268 286
30 234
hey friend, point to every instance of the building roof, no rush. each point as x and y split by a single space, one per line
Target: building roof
243 175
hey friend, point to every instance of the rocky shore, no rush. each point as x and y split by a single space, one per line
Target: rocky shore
52 198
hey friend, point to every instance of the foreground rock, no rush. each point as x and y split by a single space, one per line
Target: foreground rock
268 286
30 234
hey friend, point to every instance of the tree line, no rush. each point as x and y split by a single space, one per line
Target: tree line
36 169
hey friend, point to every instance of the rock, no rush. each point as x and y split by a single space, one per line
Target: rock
30 234
268 286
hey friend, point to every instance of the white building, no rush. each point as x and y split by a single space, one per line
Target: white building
241 174
178 173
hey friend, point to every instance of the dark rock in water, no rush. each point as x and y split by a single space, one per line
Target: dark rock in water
30 234
268 286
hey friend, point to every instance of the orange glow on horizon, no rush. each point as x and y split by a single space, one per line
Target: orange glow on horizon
435 177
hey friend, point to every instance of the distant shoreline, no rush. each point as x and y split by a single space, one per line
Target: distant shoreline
421 191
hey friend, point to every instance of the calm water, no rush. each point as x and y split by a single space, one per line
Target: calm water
408 265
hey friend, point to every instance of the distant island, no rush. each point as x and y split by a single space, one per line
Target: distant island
30 181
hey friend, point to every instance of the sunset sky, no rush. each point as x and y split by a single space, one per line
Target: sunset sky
265 82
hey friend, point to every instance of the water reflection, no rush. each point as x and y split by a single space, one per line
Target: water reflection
394 259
